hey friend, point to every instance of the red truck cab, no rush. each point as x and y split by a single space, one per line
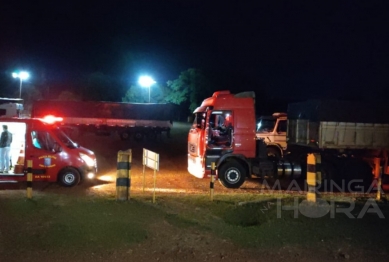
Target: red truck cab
223 132
55 157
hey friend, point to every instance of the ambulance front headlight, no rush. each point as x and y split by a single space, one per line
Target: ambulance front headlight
87 159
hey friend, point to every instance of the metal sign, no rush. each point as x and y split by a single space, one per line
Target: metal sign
151 159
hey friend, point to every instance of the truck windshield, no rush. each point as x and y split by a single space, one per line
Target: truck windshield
64 138
266 125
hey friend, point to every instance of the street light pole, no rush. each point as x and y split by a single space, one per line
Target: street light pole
149 93
21 75
20 88
146 81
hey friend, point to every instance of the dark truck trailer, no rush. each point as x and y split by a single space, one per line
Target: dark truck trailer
352 137
341 125
137 119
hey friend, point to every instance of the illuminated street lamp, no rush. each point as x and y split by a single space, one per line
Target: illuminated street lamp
22 76
146 81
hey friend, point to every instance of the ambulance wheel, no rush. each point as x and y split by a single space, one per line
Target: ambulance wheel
69 177
232 174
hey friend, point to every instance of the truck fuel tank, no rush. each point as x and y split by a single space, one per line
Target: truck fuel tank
288 169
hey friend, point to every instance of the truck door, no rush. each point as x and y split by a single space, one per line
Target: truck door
221 129
43 155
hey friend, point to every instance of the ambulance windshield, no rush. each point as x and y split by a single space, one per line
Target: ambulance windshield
64 138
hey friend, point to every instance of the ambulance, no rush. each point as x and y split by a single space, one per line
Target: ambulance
54 156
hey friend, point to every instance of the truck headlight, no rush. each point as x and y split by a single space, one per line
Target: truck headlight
88 160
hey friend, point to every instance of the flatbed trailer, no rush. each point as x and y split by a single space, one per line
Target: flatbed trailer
127 119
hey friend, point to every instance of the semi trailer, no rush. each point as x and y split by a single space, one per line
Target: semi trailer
351 138
139 120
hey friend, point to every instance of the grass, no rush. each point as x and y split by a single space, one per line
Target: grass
259 224
53 222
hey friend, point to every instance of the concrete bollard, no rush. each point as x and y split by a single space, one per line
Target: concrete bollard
123 177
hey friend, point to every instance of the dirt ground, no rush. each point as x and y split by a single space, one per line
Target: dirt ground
169 243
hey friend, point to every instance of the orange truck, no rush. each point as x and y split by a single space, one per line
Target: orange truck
352 139
272 129
224 132
55 157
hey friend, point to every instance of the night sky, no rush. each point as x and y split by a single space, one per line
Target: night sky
284 49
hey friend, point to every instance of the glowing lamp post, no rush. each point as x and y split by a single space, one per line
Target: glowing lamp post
146 81
22 76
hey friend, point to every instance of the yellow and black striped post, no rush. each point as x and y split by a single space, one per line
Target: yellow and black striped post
29 179
313 176
380 192
123 177
212 183
379 189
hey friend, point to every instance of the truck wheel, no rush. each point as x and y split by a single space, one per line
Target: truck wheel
138 136
69 177
125 135
232 174
152 135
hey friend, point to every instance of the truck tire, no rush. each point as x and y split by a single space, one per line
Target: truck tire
231 174
125 135
138 136
69 177
152 135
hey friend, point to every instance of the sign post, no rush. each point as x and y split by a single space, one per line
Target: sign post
151 160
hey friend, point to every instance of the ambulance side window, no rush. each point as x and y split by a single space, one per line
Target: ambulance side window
35 140
42 140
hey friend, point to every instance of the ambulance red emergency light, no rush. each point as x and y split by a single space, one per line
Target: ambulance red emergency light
55 157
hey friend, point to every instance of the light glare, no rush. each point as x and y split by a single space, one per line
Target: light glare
146 81
22 75
49 119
